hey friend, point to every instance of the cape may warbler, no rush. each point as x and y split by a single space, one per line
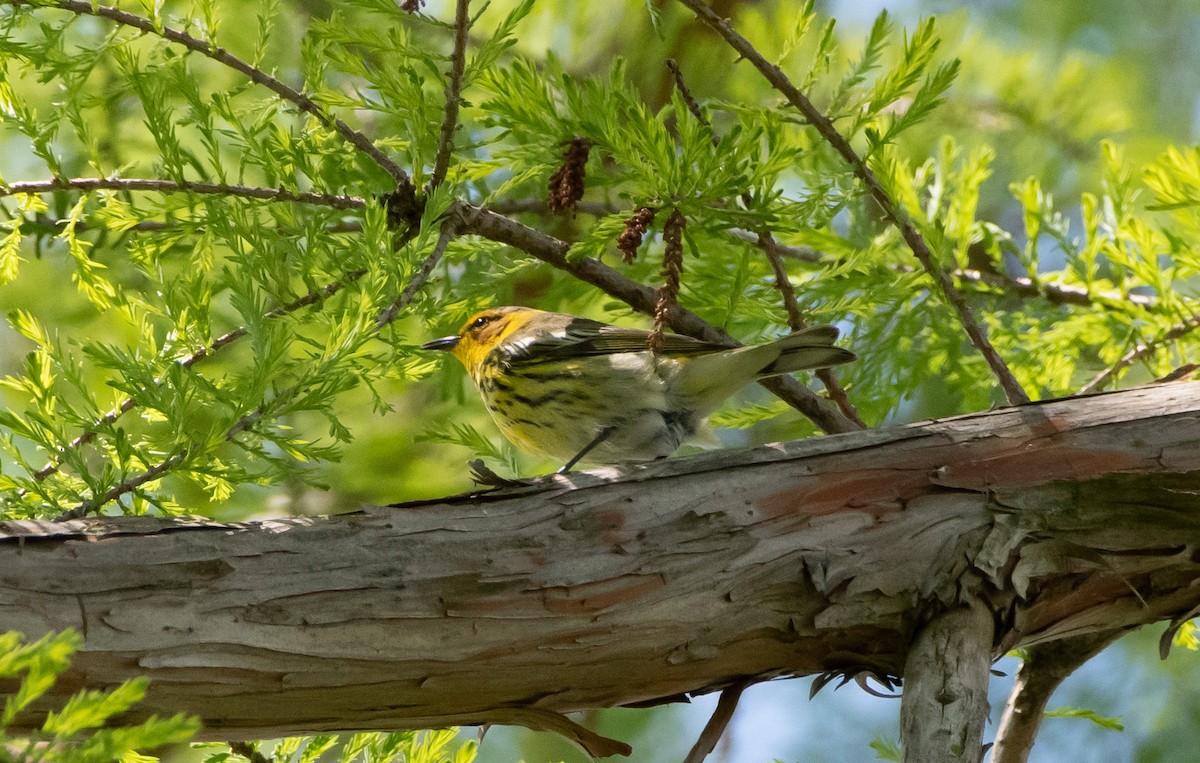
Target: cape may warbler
572 388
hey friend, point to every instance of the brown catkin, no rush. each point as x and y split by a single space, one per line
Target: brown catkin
672 269
566 185
635 230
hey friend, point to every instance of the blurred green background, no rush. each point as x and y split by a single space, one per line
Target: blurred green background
1043 82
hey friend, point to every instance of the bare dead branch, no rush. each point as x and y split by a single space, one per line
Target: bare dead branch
715 728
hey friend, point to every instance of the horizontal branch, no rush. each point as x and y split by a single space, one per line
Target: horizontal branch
635 585
1055 293
160 185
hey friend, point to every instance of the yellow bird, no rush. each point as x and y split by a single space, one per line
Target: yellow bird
576 389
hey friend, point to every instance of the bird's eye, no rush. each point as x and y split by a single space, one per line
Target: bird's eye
481 321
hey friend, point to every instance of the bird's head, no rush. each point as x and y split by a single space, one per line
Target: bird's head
483 332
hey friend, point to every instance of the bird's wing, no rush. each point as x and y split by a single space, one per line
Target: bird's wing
583 337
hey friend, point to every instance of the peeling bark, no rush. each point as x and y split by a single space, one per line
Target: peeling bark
637 585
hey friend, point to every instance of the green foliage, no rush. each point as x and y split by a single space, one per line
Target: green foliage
396 747
174 349
80 731
1187 636
216 345
886 749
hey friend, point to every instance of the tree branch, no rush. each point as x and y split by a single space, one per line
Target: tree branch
837 393
1043 669
632 585
1140 351
421 275
249 752
124 487
892 210
222 56
944 705
462 25
179 186
1058 294
765 241
715 728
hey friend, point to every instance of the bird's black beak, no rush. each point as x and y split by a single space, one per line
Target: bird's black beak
445 343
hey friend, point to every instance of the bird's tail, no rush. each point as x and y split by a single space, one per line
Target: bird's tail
707 380
807 348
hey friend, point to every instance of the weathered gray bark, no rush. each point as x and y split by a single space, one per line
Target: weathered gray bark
637 585
945 687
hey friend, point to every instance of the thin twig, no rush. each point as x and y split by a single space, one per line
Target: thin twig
1140 351
688 99
837 393
462 24
716 725
1058 294
1178 374
1055 293
420 276
552 251
123 487
891 209
41 224
802 253
220 55
31 187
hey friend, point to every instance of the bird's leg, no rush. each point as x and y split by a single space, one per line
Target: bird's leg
600 437
483 476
